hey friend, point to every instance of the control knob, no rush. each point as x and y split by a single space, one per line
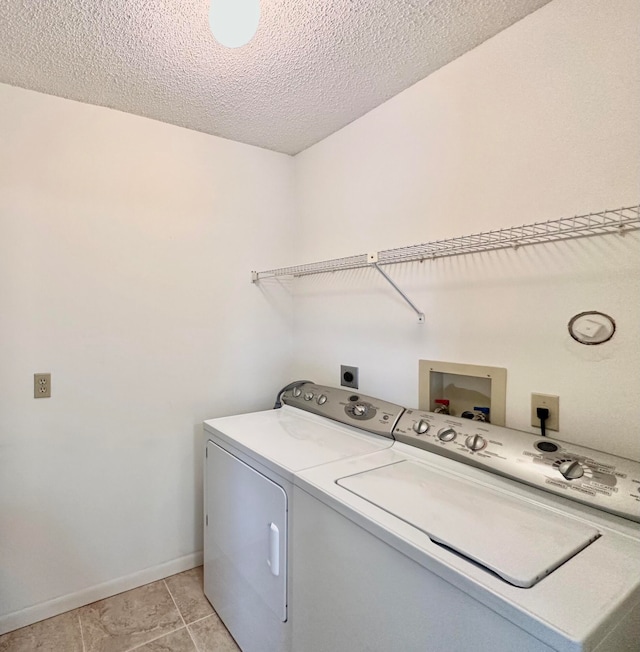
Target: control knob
421 426
359 410
447 434
571 470
322 399
476 442
308 396
297 392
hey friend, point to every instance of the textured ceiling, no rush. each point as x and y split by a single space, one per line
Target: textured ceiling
313 67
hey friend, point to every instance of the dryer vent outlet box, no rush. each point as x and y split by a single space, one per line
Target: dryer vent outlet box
466 387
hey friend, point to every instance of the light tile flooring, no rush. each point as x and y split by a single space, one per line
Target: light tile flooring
171 615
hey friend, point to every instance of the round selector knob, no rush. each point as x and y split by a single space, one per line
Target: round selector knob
571 469
447 434
476 442
321 400
308 396
421 426
297 392
359 410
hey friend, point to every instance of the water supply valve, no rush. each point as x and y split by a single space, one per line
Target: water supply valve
477 414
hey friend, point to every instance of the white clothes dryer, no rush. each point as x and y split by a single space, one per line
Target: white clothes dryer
250 462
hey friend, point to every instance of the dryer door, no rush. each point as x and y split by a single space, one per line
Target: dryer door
245 541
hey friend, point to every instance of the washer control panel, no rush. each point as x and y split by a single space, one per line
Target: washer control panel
345 406
598 479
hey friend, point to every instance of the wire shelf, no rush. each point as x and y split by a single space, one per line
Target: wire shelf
619 220
334 265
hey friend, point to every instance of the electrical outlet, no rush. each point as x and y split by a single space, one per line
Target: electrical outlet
349 376
41 385
552 403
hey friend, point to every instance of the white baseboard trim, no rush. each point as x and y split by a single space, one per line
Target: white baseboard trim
60 605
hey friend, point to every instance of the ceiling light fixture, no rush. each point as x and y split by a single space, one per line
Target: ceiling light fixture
234 22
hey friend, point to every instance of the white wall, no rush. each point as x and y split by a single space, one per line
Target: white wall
126 247
125 251
540 122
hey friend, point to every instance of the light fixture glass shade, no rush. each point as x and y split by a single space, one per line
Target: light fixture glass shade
234 22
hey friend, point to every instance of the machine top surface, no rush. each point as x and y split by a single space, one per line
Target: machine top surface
595 478
288 440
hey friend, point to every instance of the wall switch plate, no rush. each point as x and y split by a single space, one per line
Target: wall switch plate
349 376
41 385
552 403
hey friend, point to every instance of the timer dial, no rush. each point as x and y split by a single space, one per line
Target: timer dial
571 469
421 426
475 442
447 434
359 410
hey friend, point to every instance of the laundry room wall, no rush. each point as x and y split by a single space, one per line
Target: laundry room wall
540 122
126 247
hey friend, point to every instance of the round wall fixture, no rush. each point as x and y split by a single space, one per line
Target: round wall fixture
592 327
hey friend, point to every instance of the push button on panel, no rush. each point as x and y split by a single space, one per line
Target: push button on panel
547 446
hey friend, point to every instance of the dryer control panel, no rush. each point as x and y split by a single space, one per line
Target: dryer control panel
598 479
345 406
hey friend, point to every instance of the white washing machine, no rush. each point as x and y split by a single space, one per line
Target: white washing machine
250 464
467 537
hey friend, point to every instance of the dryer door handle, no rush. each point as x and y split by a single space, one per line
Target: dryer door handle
274 549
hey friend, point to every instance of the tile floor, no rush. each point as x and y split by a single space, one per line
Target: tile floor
171 615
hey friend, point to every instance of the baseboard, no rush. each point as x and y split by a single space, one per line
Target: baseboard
60 605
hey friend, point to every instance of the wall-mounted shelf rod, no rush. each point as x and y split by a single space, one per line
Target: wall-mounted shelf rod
618 221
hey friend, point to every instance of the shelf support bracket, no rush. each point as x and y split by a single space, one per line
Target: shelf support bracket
398 290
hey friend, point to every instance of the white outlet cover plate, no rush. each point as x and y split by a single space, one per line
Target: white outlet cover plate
552 403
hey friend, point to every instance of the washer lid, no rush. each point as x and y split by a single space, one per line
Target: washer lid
520 541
